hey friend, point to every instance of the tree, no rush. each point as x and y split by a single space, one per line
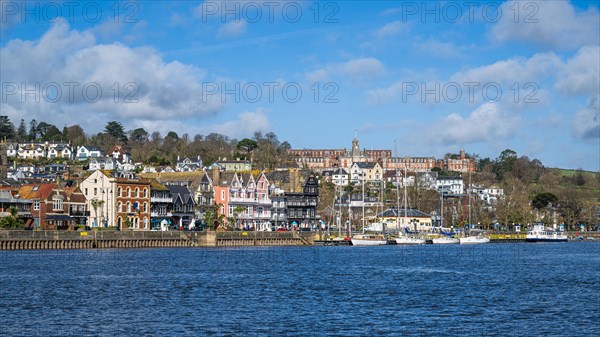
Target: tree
139 135
579 178
49 132
116 130
75 135
95 204
248 145
543 200
11 221
33 130
7 129
22 131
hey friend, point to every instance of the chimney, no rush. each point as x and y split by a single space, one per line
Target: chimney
216 175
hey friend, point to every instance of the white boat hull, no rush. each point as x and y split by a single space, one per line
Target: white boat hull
363 242
409 241
445 241
474 240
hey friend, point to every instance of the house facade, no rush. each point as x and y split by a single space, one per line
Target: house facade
85 152
301 208
450 185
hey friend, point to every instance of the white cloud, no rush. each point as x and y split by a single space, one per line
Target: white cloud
551 24
358 70
136 83
486 123
512 70
232 29
244 126
586 124
581 73
392 29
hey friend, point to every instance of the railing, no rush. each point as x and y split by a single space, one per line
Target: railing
160 199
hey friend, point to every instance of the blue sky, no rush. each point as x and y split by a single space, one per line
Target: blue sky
436 76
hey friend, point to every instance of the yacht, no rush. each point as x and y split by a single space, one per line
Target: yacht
368 240
541 234
474 239
445 240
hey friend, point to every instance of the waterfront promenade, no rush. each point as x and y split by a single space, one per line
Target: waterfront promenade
33 240
26 239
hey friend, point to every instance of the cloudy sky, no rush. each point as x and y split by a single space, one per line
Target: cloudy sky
436 76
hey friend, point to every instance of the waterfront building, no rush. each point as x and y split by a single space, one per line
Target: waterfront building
132 200
54 207
413 219
183 210
301 207
161 204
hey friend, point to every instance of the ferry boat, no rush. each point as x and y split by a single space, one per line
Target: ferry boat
368 240
541 234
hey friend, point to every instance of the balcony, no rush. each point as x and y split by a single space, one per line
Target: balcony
160 214
161 199
79 213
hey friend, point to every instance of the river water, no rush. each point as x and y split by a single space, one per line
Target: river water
452 290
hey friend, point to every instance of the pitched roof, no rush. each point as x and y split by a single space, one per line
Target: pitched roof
182 192
391 212
36 191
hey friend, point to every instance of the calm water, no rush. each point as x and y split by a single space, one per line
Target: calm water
486 290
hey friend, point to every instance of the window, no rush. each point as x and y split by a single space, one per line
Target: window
119 207
57 203
120 191
137 192
36 205
95 191
128 192
222 195
145 207
128 207
145 192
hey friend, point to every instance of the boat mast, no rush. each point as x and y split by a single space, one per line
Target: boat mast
363 205
405 193
397 190
469 198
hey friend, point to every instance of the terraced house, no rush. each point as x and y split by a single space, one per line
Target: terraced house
54 207
245 201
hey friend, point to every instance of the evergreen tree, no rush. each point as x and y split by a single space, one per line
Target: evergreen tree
7 129
33 130
22 132
116 130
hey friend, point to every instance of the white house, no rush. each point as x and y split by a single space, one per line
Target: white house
60 151
340 177
11 149
102 163
188 164
31 151
85 152
99 187
366 171
450 185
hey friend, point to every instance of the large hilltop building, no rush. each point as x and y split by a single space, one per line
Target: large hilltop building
344 158
325 159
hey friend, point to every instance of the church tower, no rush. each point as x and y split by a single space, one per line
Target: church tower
355 146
